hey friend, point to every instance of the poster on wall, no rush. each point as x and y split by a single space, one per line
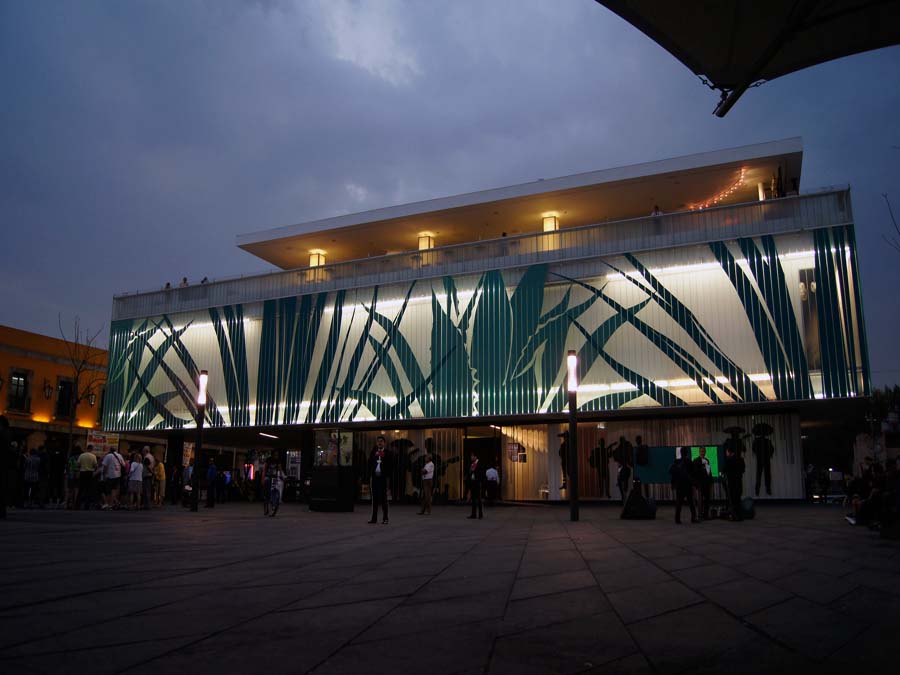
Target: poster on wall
187 454
102 441
516 453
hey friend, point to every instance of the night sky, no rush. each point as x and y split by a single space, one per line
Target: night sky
138 138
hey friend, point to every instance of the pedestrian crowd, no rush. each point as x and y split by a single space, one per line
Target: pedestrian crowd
47 478
873 496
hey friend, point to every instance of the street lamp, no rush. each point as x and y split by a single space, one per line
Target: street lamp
572 387
201 414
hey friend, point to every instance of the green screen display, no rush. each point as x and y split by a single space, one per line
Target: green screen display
712 454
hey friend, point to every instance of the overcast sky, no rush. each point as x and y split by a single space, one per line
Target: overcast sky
138 138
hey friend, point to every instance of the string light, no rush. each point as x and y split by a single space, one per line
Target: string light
724 194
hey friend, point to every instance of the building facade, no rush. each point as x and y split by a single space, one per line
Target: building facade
38 389
735 304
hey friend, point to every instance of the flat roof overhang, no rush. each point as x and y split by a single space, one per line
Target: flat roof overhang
677 184
813 414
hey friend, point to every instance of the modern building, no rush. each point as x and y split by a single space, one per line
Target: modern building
701 294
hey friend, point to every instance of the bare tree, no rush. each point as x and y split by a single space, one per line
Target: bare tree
88 368
894 239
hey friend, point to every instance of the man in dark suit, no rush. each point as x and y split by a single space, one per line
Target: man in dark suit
702 472
380 471
476 485
734 477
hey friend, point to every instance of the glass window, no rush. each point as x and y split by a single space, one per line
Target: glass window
19 395
65 398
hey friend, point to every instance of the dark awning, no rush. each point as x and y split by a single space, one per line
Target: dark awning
733 44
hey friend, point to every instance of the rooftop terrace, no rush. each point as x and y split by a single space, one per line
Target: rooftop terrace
788 214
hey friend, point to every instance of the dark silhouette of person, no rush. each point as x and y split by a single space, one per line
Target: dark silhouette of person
703 479
475 478
564 458
734 441
638 507
734 480
641 452
623 454
380 469
763 450
6 459
599 460
681 472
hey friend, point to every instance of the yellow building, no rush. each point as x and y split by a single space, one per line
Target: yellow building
38 388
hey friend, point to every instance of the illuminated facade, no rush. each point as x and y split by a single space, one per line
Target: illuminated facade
741 306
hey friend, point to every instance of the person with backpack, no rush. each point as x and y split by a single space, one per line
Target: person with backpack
681 472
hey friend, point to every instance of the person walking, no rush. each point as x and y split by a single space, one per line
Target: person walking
379 471
476 485
734 479
276 485
683 483
702 472
427 485
87 465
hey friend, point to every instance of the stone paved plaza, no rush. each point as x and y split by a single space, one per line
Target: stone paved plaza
522 591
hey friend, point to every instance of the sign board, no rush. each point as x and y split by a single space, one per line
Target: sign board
102 442
187 454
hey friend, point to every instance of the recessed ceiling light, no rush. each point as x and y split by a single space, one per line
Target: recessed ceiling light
268 435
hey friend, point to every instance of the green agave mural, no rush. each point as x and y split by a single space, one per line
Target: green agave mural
496 348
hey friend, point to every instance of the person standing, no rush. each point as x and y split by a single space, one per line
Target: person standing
32 478
763 450
564 458
72 479
703 480
622 455
476 485
427 485
57 475
379 471
87 465
734 477
5 460
135 481
492 483
44 479
159 485
276 485
113 464
211 475
683 483
175 483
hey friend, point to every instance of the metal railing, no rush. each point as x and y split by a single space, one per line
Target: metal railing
670 230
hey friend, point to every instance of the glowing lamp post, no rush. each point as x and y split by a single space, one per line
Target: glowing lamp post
572 387
201 414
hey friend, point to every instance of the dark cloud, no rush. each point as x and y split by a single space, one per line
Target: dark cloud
139 138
